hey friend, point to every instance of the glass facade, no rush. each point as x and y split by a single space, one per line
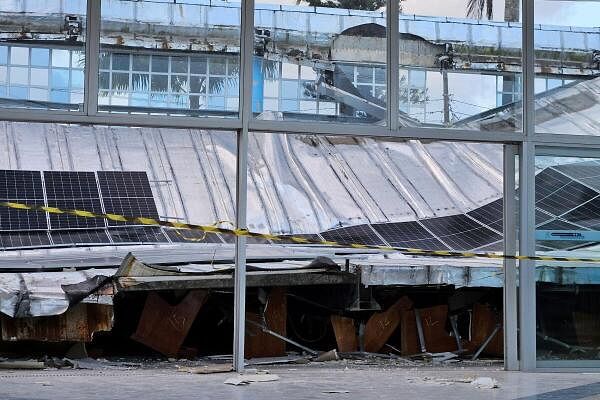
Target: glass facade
320 71
567 294
42 67
168 58
319 63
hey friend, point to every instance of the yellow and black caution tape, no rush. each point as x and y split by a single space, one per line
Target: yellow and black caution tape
281 238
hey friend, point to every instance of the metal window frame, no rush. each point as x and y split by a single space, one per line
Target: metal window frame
524 143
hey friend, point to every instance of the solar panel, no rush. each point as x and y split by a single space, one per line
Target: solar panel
490 214
22 187
558 224
353 234
124 184
308 236
73 190
137 234
587 215
127 193
586 172
408 234
191 236
541 216
496 246
82 236
461 232
23 239
549 181
566 198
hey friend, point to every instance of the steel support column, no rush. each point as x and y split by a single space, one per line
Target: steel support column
246 55
527 298
511 360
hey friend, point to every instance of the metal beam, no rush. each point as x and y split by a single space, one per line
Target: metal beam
92 54
511 357
527 292
247 51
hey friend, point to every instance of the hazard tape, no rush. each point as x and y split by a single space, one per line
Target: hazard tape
280 238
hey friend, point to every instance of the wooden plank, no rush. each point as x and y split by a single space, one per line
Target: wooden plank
345 333
381 325
77 324
437 338
163 327
409 339
259 343
482 325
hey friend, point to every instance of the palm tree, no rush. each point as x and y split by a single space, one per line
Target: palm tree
479 8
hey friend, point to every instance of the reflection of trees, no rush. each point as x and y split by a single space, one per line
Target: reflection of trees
180 85
368 5
479 8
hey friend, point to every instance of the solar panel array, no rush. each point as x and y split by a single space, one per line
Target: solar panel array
127 193
567 197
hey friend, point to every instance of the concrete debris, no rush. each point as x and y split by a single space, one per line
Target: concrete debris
246 379
28 364
289 359
208 369
331 355
485 382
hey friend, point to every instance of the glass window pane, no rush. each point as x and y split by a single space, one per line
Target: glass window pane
160 83
179 64
445 86
3 54
38 94
567 294
160 64
120 61
319 48
216 66
179 84
39 77
140 83
141 62
19 55
43 44
19 75
566 39
120 81
61 58
198 65
186 47
77 79
60 78
40 57
198 84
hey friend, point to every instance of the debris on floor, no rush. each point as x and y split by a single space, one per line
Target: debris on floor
246 379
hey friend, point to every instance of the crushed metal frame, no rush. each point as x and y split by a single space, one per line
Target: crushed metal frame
524 144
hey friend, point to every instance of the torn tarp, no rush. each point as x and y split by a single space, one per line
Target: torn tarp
39 294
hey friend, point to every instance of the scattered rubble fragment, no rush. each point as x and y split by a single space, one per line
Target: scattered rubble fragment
245 379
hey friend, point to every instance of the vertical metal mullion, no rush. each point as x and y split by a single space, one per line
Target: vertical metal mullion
246 64
528 52
393 57
92 57
527 289
511 361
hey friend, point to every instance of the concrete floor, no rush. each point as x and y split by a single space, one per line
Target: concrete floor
313 381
